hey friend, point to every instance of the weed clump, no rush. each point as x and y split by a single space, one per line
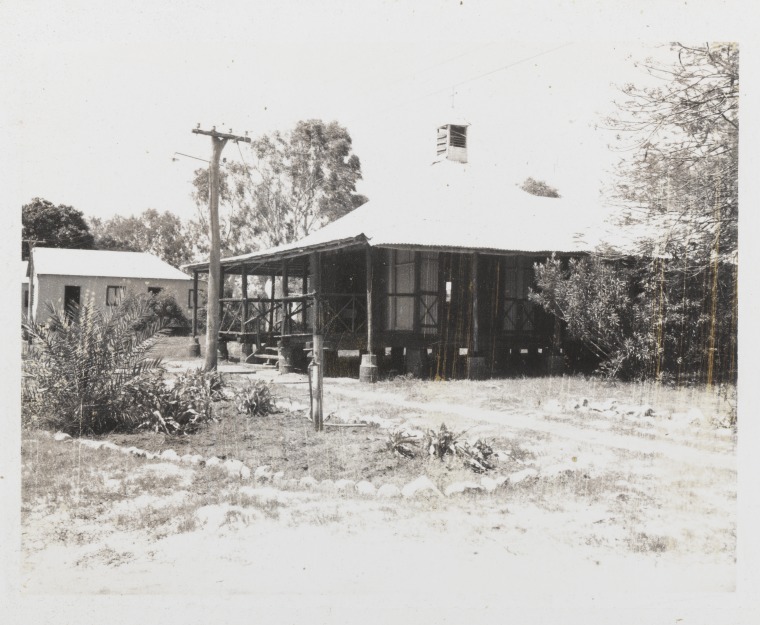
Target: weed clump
255 399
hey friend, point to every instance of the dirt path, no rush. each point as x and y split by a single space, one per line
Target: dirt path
436 412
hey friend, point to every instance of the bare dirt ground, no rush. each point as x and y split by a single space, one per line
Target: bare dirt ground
631 489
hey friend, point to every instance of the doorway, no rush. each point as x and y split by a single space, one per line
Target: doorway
71 295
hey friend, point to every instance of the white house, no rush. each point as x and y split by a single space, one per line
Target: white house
65 276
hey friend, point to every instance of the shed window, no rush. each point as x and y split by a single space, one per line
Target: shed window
190 298
114 295
154 290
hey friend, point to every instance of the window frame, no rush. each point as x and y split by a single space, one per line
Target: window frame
115 294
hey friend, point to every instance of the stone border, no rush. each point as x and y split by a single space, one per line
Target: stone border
420 488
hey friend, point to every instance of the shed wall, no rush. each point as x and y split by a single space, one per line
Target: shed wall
49 288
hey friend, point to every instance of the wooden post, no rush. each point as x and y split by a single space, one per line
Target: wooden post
244 288
212 295
218 141
317 342
368 367
474 286
285 305
271 304
370 277
304 291
476 364
195 304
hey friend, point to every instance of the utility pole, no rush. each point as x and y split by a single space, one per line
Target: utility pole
218 141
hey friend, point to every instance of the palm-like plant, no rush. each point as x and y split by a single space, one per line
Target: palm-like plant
82 367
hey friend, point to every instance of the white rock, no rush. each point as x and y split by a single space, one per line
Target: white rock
489 484
307 482
169 454
459 488
61 436
343 485
213 462
521 476
326 486
235 467
278 478
192 459
421 486
110 445
365 488
552 406
263 473
91 444
245 473
388 491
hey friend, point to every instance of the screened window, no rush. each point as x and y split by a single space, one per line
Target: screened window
190 298
154 290
402 292
518 309
114 294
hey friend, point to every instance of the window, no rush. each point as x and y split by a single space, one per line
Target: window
190 298
26 298
154 290
114 295
402 291
518 309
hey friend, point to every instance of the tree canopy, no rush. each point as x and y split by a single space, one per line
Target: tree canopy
47 225
682 134
669 311
161 234
286 186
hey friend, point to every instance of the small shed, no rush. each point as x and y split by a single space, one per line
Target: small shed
66 277
432 279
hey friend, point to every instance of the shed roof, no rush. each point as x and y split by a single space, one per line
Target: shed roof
102 263
454 207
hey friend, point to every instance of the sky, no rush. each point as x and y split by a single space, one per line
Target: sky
103 101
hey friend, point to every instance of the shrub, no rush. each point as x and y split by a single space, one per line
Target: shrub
255 399
178 406
442 442
162 309
401 443
82 368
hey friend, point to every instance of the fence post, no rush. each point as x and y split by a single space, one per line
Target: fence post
317 341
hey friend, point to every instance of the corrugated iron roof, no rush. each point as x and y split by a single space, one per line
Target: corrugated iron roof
453 208
102 263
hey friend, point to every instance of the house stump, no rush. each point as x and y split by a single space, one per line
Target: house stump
477 368
286 357
417 362
368 369
194 348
